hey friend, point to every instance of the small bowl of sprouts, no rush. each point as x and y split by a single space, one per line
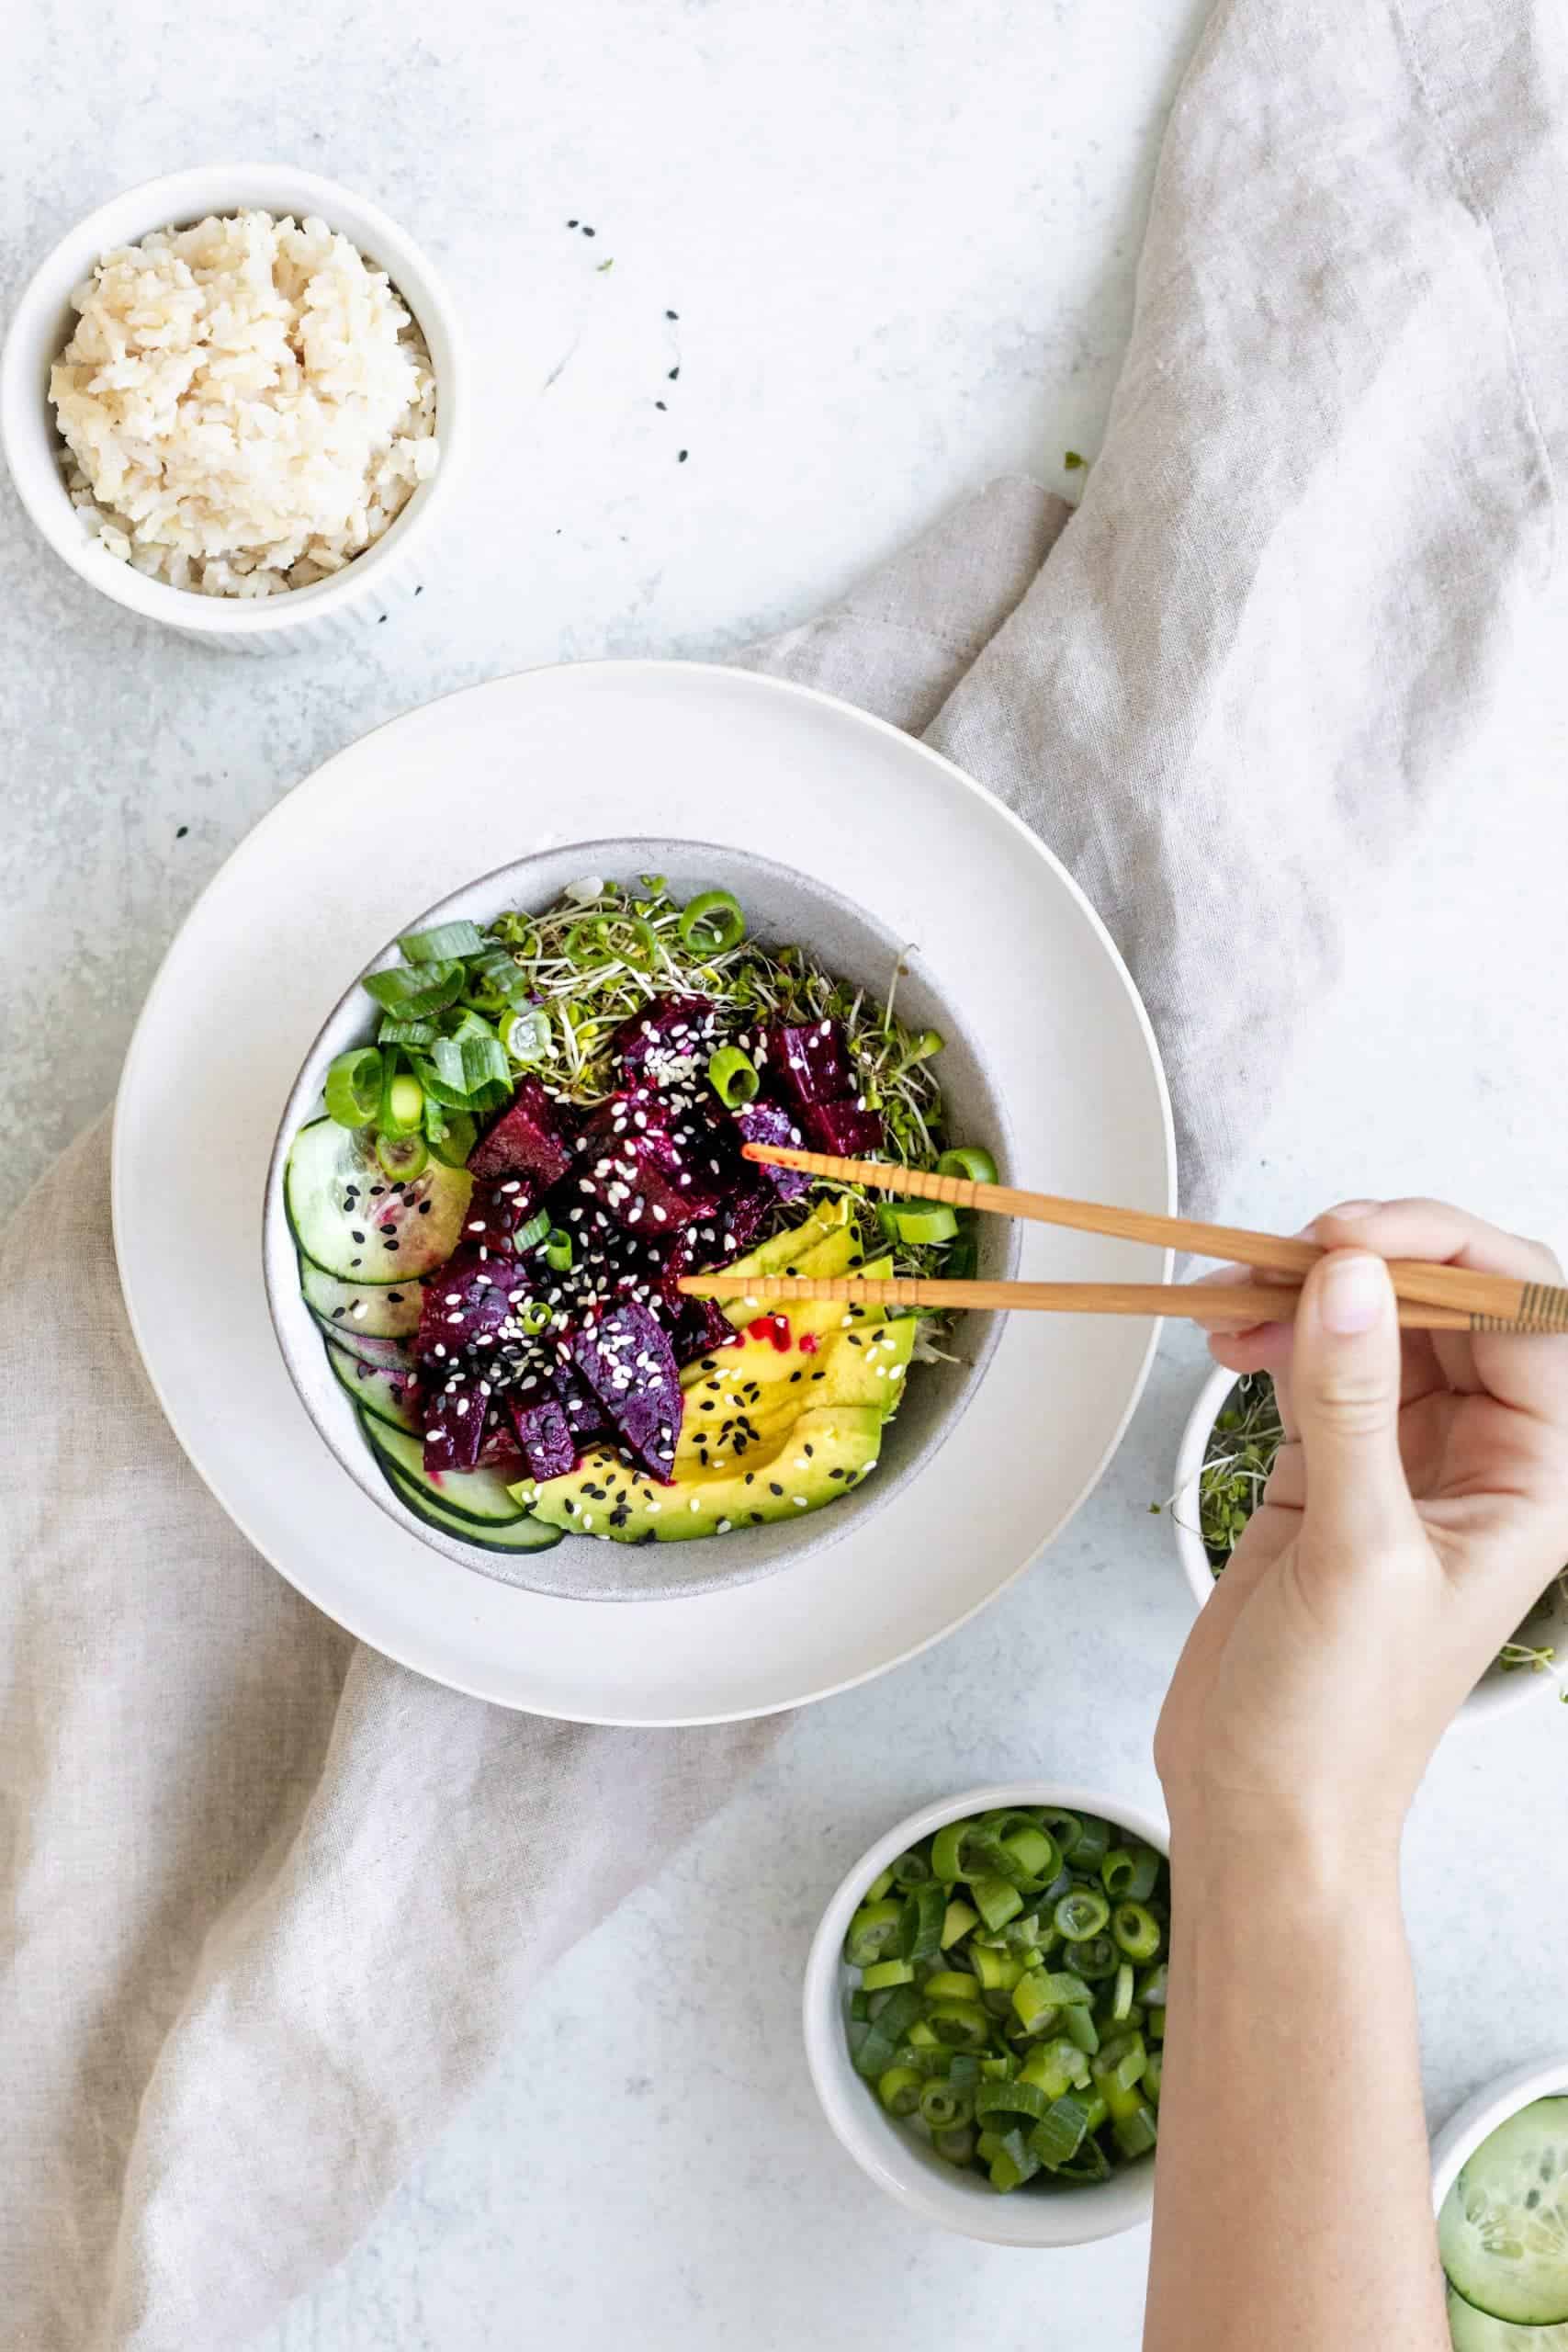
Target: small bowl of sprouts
1227 1452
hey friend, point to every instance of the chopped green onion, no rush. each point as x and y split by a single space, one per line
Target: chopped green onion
471 1063
1080 2027
393 1032
1129 1874
1136 2134
1094 1958
1059 2133
712 923
557 1251
1034 1852
1080 1915
535 1317
1135 1931
969 1160
1019 2098
946 2104
733 1077
353 1087
1032 2004
997 1900
457 1135
885 1972
529 1236
873 1933
884 1880
911 1870
956 2145
919 1929
1121 2001
900 2090
919 1226
402 1156
957 1921
438 946
414 991
526 1036
402 1106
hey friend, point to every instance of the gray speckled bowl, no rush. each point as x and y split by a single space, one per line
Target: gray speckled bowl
780 906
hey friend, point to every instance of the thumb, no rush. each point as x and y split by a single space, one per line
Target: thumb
1344 1380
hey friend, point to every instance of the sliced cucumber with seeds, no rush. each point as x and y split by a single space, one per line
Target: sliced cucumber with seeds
1503 2232
377 1311
518 1535
1473 2331
351 1222
475 1495
388 1397
387 1355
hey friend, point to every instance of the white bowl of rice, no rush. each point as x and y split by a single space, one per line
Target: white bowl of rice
230 399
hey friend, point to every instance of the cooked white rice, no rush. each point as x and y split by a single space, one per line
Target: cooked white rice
246 404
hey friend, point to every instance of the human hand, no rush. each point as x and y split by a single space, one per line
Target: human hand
1418 1509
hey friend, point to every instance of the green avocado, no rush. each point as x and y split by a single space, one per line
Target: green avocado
824 1451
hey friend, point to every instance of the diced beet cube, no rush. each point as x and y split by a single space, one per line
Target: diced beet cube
497 1211
585 1417
499 1448
741 1216
533 1139
465 1303
661 1043
766 1123
844 1128
701 1326
645 1185
454 1426
630 1366
545 1433
811 1060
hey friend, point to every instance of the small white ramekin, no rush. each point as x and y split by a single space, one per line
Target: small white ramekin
895 2157
1498 1690
41 324
1454 2146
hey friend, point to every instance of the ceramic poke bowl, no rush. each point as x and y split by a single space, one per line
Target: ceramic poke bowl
1499 1688
782 906
894 2156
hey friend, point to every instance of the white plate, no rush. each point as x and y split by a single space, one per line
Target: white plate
492 774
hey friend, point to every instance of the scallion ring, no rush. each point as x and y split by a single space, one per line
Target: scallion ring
353 1086
539 1229
439 946
535 1317
557 1251
402 1156
402 1104
526 1036
712 922
968 1160
733 1077
936 1223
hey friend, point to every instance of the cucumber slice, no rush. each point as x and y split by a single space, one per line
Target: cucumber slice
387 1355
475 1495
387 1397
1503 2232
1473 2331
360 1234
382 1311
521 1535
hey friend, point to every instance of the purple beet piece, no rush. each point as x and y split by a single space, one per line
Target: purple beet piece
464 1304
701 1326
454 1426
533 1139
544 1434
766 1123
658 1043
647 1185
844 1128
811 1061
630 1366
742 1216
585 1415
496 1212
499 1448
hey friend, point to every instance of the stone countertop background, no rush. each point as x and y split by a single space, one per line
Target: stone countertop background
900 240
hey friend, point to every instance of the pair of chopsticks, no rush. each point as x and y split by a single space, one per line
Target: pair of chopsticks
1431 1298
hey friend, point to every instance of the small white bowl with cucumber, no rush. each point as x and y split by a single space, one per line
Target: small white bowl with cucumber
1500 2192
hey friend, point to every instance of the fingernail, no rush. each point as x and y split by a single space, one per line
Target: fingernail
1353 1208
1353 1293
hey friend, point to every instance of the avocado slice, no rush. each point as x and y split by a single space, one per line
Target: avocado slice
755 1391
824 1451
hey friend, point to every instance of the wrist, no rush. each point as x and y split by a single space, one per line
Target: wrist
1247 1841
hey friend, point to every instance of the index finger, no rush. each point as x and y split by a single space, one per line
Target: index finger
1528 1373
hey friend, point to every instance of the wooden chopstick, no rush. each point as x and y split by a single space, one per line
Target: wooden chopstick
1195 1302
1484 1302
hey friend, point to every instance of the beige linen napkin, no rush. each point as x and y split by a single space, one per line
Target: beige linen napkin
271 1901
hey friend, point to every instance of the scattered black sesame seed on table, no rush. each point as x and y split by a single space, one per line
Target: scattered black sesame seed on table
682 455
672 314
674 375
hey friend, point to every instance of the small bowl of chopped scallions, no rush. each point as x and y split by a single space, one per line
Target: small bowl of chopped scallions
1227 1452
985 2012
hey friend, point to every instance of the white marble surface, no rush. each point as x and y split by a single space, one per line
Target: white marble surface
900 238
